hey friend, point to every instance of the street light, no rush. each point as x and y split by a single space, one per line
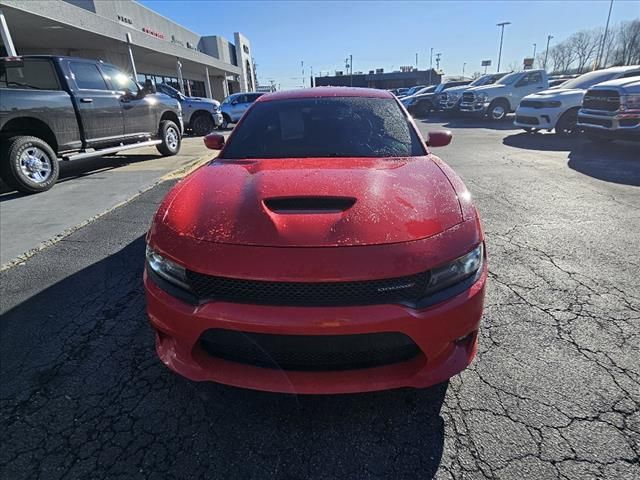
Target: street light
463 65
546 53
501 37
604 37
534 51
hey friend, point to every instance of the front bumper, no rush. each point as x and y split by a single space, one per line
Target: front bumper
445 333
541 118
477 108
615 125
217 118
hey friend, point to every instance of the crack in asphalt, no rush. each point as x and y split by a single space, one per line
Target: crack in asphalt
553 394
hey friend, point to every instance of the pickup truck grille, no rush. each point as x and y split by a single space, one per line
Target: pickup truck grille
468 97
606 100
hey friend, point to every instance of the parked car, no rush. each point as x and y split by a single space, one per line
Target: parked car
611 111
497 100
450 100
200 115
425 102
558 107
412 91
235 105
70 108
269 282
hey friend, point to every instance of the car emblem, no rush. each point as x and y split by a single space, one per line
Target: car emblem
396 287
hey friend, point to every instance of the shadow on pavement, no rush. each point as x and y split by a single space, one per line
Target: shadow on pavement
616 162
82 168
458 121
81 380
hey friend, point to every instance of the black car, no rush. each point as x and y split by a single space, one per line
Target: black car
425 103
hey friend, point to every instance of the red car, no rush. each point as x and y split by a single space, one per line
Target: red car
325 250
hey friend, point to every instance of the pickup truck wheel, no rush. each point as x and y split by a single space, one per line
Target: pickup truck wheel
171 139
498 110
30 165
202 124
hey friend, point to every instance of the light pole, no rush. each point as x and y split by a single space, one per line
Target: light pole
502 24
463 65
430 64
604 37
534 51
546 53
416 61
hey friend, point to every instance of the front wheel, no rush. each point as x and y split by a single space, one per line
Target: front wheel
170 137
202 124
28 164
568 123
498 110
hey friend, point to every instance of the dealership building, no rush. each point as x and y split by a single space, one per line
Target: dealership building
163 51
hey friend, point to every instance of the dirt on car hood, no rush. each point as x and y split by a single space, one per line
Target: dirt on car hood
313 202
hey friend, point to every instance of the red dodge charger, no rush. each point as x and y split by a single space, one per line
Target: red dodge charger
325 250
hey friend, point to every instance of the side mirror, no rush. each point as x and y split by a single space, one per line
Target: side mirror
214 141
439 138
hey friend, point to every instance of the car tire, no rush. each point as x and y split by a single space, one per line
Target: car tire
424 109
28 164
567 123
225 122
202 124
498 110
169 134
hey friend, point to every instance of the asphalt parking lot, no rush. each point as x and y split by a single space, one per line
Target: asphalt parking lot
554 392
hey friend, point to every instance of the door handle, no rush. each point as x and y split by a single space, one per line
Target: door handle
86 100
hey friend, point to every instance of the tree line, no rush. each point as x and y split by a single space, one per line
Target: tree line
583 51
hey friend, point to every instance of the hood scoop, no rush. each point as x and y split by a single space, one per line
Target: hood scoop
298 205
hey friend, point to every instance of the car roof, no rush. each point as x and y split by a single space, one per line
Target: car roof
624 68
323 92
619 82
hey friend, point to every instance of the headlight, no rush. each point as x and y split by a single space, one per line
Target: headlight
170 271
216 108
630 102
551 104
456 271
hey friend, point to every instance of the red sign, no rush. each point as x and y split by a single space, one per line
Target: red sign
153 33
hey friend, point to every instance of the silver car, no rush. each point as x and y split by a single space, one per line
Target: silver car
235 105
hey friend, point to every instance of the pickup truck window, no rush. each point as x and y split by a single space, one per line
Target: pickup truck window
119 80
87 76
508 79
35 73
530 79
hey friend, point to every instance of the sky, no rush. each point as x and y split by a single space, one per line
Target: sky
388 34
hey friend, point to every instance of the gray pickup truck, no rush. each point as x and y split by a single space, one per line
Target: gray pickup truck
200 115
64 108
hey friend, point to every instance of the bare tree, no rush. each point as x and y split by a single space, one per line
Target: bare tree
514 67
627 43
476 75
584 46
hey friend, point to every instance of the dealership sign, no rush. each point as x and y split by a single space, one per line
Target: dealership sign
486 63
153 33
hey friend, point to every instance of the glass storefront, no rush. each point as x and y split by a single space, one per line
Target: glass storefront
192 88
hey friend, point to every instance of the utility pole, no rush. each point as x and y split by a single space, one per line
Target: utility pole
546 53
463 65
502 24
438 55
430 65
604 37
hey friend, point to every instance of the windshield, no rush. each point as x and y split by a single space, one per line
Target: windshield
164 88
426 90
589 79
509 79
325 127
413 90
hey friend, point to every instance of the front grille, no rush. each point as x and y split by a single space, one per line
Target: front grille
468 97
527 120
606 100
603 122
406 289
309 352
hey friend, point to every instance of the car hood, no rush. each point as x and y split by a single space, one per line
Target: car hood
203 100
459 89
557 94
313 202
488 88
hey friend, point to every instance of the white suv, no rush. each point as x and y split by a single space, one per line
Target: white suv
558 107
